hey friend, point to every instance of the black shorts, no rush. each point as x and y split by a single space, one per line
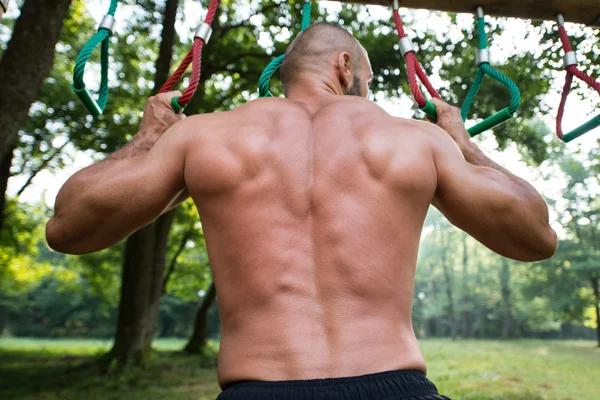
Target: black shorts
389 385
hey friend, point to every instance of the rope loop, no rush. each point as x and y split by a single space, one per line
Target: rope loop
193 57
484 68
573 71
414 69
102 38
265 77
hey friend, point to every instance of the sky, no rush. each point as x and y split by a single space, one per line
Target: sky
46 185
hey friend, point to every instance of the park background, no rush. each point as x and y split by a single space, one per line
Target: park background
140 320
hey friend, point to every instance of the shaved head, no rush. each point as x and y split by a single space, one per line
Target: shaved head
315 49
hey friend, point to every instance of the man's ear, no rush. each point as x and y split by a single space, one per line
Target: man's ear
344 69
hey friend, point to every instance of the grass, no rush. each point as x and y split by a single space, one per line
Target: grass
43 369
516 370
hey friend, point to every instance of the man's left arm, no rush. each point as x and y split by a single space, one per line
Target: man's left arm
106 202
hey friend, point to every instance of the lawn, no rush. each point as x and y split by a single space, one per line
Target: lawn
462 370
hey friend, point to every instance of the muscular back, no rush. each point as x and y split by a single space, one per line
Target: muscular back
312 218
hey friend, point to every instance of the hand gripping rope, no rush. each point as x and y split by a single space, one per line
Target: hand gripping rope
105 31
265 77
414 69
483 62
572 70
194 57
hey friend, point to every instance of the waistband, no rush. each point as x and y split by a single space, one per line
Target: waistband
379 385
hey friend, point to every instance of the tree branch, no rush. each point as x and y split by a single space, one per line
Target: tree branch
40 168
173 262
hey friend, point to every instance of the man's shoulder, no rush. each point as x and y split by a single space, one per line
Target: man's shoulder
427 131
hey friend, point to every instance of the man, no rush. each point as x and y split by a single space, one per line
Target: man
312 207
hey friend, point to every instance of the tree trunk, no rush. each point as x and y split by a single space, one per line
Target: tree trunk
4 175
434 323
134 310
3 314
198 339
449 290
27 61
144 260
465 290
162 229
508 330
165 54
595 281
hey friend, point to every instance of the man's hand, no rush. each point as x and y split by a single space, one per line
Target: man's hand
159 115
450 120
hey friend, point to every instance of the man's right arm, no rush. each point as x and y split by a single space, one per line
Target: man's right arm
497 208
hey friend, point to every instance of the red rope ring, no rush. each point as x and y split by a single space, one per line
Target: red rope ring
193 57
414 69
572 71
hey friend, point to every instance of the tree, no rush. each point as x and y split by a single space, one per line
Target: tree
232 62
572 278
27 61
198 339
508 330
144 259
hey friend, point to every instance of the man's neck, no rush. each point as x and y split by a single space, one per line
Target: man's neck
309 88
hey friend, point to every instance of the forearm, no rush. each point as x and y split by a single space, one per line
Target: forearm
99 206
474 155
524 207
139 145
104 203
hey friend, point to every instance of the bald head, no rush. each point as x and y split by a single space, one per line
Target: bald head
317 49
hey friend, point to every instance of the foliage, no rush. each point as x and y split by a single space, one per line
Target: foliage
39 286
462 370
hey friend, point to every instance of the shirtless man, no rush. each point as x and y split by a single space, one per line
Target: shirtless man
312 207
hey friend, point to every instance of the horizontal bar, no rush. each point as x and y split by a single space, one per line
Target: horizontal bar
583 129
430 110
490 122
578 11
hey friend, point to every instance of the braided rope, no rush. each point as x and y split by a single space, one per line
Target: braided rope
573 71
193 57
265 77
464 111
512 87
414 69
486 69
102 38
